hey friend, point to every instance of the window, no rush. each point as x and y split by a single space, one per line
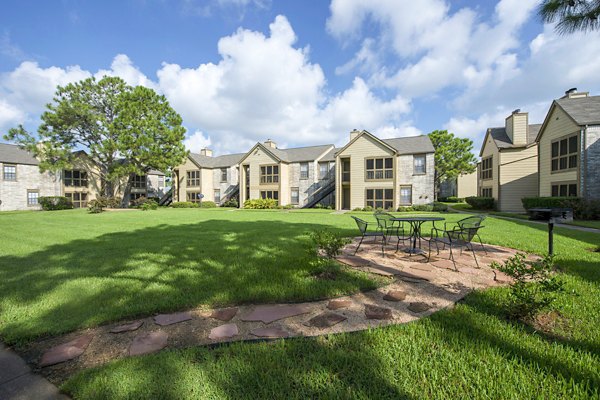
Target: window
405 195
134 196
76 178
194 197
419 164
32 197
78 199
303 170
217 196
564 153
269 194
223 174
10 172
269 174
193 178
161 181
564 190
139 182
323 170
486 168
379 168
346 170
486 192
380 198
295 192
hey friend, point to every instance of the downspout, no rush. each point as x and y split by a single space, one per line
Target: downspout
583 164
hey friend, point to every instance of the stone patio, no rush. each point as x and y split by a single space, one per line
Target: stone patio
417 289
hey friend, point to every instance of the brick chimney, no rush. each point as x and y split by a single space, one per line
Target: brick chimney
517 126
206 152
271 144
354 133
574 94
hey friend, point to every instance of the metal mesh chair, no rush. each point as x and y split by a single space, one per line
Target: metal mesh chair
386 223
457 237
363 227
473 221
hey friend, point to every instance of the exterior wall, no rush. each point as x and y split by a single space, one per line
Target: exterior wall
591 177
13 194
559 125
306 187
516 128
257 158
422 184
448 188
467 185
153 188
490 149
94 188
518 177
228 186
181 188
364 147
285 195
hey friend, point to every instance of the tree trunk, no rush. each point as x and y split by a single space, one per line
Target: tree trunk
127 193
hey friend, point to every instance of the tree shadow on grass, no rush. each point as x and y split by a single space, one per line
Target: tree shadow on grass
163 268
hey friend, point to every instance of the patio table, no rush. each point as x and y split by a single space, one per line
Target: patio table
416 223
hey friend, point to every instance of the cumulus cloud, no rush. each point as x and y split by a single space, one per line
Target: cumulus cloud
123 67
197 141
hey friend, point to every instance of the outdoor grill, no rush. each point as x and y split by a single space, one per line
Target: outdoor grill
552 216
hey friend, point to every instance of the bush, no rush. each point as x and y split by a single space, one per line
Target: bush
100 203
329 242
184 204
357 209
405 209
582 209
368 208
422 207
149 205
260 204
231 203
440 207
451 199
53 203
534 287
208 204
481 203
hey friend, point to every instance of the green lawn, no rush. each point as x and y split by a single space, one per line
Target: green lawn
87 269
587 224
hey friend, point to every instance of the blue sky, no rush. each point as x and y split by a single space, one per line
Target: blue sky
299 72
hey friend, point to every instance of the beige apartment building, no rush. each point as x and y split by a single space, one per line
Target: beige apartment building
508 170
569 147
384 173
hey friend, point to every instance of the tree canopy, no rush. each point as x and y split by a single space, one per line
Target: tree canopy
453 156
571 15
125 130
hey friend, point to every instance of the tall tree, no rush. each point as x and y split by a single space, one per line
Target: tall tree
453 156
125 130
571 15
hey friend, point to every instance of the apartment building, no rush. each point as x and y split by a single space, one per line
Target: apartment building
384 173
509 162
569 147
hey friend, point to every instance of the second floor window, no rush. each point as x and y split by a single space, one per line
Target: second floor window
223 174
304 171
323 170
10 172
564 153
139 182
419 165
486 168
193 178
76 178
269 174
379 168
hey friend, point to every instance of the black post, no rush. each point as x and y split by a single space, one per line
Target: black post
551 236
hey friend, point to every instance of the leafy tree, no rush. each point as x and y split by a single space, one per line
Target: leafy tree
125 130
571 15
453 156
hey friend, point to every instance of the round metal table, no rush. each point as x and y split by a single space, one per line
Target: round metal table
416 223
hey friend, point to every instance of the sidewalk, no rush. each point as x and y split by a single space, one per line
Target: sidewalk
18 382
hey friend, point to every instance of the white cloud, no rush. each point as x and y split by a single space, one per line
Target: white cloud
197 141
10 116
123 67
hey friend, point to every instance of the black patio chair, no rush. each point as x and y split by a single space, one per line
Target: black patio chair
457 237
473 221
386 224
363 227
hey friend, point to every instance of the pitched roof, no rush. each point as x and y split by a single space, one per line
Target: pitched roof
298 154
11 153
216 162
411 144
583 110
502 140
330 156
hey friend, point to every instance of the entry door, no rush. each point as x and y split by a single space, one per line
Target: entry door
346 198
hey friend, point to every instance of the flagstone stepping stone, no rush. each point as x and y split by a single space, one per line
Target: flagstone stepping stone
418 307
395 295
224 314
422 267
447 264
339 303
469 270
410 275
132 326
148 342
325 320
270 332
384 270
169 319
223 332
268 314
377 312
66 351
353 261
425 275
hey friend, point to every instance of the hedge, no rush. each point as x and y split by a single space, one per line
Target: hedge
481 203
184 204
52 203
582 208
260 204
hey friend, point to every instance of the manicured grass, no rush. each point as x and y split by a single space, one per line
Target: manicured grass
587 224
60 271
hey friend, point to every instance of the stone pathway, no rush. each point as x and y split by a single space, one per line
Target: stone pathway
418 288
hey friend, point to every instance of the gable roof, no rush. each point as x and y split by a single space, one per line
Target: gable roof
13 154
216 162
502 141
293 155
411 144
330 155
582 110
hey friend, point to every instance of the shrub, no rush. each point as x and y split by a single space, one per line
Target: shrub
451 199
481 203
231 203
368 208
184 204
100 203
52 203
422 207
440 207
582 209
405 209
288 207
148 205
357 209
329 242
534 287
208 204
260 204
